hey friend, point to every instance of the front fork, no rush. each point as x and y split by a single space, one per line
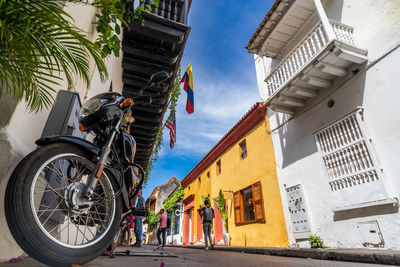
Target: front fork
105 152
134 211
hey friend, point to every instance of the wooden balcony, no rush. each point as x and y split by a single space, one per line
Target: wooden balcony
313 65
157 45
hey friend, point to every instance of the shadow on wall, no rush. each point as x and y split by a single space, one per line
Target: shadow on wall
296 137
7 107
365 212
334 9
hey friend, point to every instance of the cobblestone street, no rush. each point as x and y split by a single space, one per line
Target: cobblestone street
150 256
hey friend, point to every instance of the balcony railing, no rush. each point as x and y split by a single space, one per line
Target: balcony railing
174 10
307 49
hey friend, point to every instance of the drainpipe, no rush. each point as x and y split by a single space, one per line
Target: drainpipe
324 20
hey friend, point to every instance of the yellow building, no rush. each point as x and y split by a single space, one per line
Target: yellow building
242 165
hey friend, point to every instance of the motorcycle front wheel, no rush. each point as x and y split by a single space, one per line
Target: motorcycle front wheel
47 213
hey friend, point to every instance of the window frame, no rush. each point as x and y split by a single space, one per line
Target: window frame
169 215
243 151
177 223
218 168
239 207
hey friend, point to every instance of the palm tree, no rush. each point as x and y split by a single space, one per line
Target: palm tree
39 43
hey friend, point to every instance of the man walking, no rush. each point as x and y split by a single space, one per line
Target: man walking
208 215
162 229
140 204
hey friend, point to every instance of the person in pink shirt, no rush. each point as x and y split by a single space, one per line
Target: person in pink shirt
162 229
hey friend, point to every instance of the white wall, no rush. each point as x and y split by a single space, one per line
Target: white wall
25 126
376 24
299 162
176 239
376 27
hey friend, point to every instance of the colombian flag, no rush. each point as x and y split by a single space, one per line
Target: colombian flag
187 79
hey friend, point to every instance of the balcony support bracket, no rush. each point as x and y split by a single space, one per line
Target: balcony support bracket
349 55
303 92
317 81
331 69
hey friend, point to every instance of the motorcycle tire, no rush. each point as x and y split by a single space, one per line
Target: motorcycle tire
22 208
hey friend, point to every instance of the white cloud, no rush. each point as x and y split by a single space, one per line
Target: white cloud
218 106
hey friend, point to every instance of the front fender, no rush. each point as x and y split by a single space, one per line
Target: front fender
90 147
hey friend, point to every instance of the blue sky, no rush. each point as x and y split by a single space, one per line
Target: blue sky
224 77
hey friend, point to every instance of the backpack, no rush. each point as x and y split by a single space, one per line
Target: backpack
168 222
208 214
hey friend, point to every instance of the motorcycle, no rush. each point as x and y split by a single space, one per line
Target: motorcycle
66 201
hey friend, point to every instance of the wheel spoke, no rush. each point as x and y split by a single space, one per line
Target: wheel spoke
98 194
56 170
98 215
69 218
48 208
52 212
76 237
68 173
51 188
86 226
94 222
58 226
87 219
79 173
77 227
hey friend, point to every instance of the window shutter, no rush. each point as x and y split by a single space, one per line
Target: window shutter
355 176
258 202
236 204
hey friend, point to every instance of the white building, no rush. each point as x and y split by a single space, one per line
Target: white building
328 71
19 128
175 236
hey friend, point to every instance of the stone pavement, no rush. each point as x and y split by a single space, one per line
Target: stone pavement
149 256
144 251
144 256
362 255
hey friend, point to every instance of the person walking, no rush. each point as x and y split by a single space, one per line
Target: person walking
140 204
207 213
127 229
162 229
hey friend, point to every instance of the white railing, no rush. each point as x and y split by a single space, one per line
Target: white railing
306 50
347 153
343 33
170 9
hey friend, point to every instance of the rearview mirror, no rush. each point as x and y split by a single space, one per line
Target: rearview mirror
158 77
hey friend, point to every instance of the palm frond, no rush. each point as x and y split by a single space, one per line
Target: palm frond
38 45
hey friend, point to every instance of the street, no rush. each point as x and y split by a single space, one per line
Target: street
171 256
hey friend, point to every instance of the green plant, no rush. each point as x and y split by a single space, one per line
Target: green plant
38 42
203 199
152 219
220 203
316 241
112 14
170 202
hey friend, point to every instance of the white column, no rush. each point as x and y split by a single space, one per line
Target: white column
324 19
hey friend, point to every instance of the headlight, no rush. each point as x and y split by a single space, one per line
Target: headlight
91 106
